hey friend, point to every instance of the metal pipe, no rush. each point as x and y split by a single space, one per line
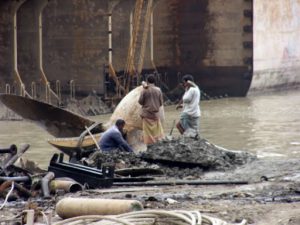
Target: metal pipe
145 35
6 184
23 91
22 191
69 186
112 71
17 179
29 216
152 42
72 89
182 182
151 37
10 162
12 150
45 184
58 90
72 207
48 92
7 89
48 89
109 39
130 30
40 33
92 136
33 90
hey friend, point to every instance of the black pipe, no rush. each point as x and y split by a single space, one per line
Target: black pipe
12 150
12 160
182 182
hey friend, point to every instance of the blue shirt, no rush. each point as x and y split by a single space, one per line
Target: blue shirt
113 139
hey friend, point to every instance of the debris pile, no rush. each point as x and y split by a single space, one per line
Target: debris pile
192 152
22 179
181 158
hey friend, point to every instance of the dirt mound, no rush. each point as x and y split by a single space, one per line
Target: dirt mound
189 151
177 158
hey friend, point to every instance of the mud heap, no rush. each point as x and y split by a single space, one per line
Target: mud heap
181 157
188 151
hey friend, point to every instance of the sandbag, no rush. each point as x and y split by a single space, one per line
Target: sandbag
129 110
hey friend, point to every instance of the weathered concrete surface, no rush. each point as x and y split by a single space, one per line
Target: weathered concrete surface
210 47
75 43
217 47
276 45
7 9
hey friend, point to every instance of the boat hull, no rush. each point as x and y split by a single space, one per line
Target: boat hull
230 46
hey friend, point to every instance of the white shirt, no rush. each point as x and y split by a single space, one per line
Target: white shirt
191 100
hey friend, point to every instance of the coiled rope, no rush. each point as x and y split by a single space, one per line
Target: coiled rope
149 217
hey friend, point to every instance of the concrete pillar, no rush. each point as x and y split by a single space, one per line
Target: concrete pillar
8 43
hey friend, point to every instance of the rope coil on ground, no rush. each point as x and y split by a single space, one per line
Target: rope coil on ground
149 217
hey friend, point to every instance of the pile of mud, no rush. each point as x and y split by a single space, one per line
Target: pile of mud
185 151
181 158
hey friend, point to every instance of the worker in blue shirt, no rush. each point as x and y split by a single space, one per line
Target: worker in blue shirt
112 139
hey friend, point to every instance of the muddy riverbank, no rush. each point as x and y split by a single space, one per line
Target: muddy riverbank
270 194
276 201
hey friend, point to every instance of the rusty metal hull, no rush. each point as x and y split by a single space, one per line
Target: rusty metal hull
57 121
276 45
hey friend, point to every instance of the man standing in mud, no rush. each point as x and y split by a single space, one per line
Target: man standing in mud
151 99
190 115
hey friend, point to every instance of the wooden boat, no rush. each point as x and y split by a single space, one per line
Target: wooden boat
56 121
71 144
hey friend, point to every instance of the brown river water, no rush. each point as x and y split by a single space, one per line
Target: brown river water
267 125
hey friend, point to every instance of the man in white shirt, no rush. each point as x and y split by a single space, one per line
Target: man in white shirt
190 115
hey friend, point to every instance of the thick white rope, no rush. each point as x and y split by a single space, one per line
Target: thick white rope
149 217
93 217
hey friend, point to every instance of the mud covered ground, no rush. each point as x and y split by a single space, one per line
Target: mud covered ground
177 158
271 194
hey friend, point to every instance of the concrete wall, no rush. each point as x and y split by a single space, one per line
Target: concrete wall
75 43
6 43
276 45
203 37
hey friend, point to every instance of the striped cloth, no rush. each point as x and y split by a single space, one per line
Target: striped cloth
152 130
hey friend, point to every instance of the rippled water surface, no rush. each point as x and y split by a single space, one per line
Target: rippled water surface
266 125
